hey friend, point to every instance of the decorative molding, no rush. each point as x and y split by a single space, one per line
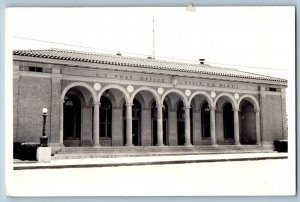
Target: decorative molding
97 86
236 96
188 92
213 94
130 88
160 91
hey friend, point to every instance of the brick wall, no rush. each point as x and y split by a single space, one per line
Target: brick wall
271 113
34 95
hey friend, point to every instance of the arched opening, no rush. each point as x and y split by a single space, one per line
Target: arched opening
165 111
228 121
105 121
247 123
205 120
181 124
136 123
72 121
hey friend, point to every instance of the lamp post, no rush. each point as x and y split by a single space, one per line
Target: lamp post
44 138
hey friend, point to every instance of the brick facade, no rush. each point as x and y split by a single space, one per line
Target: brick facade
34 90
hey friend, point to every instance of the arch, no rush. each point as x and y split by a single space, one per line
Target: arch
78 94
72 128
111 98
205 94
182 95
115 86
228 95
251 99
79 84
144 88
248 123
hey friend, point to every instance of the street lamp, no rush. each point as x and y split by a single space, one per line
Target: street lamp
44 138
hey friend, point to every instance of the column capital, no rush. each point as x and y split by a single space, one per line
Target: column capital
187 107
117 108
212 108
173 110
96 103
146 109
128 104
236 109
159 105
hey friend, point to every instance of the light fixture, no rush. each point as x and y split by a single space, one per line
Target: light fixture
45 110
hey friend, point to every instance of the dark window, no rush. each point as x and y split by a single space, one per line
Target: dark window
205 119
273 89
105 117
228 121
72 117
35 69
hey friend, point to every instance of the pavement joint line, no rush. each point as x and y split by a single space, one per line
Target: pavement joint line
163 162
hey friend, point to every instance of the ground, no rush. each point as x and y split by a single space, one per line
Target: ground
255 177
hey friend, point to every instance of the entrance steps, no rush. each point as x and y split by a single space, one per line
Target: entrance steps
140 151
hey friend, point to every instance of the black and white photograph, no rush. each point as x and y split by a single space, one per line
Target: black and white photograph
150 101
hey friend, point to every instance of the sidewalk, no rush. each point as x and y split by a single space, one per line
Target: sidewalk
152 160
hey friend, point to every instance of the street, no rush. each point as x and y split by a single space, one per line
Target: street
260 177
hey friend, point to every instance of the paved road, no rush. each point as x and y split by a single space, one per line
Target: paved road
262 177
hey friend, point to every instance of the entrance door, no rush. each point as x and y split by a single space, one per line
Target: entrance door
228 121
165 132
72 121
136 140
180 124
180 131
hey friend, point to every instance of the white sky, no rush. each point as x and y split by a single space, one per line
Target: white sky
247 36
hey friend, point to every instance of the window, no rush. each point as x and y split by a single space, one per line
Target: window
35 69
273 89
105 117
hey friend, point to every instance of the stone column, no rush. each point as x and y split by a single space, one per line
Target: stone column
159 126
258 139
236 127
146 127
213 126
96 125
86 129
172 125
219 125
61 130
117 126
187 126
129 124
197 135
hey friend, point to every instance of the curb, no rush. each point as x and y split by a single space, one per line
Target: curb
24 167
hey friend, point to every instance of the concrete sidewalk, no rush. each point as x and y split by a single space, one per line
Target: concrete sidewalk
135 161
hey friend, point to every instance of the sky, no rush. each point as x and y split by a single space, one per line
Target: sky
254 39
